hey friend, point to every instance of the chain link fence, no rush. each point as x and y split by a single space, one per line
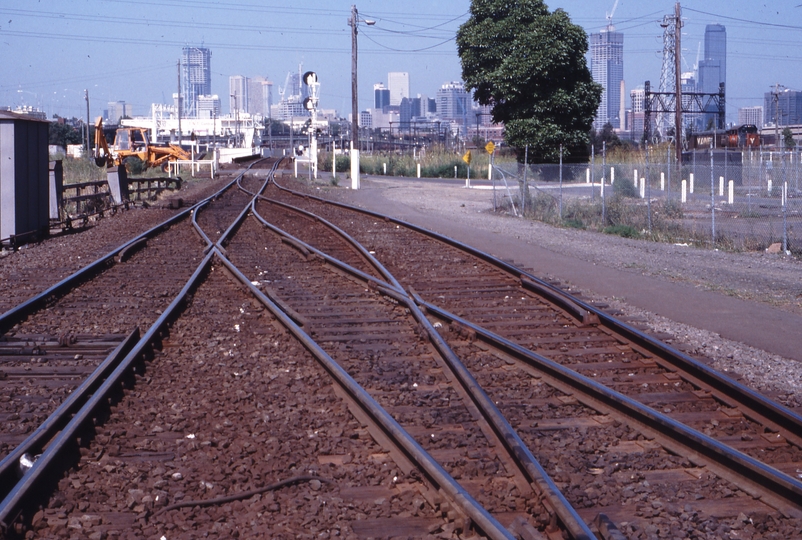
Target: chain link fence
732 200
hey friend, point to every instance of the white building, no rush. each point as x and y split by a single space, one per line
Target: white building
607 67
398 84
750 115
238 93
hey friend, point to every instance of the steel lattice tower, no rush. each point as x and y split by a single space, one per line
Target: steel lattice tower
668 75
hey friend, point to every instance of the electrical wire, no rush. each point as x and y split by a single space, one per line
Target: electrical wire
749 21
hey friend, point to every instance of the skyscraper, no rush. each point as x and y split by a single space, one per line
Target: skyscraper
398 83
238 93
607 68
713 69
196 78
453 102
381 96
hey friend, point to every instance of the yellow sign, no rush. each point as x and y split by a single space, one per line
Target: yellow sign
490 147
467 157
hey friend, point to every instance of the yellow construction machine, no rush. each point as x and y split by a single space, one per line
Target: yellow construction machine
130 142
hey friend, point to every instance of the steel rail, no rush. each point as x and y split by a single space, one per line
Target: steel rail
752 475
512 442
60 420
347 237
37 440
23 310
760 406
434 472
198 207
57 455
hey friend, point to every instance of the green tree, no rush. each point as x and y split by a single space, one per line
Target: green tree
529 65
63 132
788 138
606 135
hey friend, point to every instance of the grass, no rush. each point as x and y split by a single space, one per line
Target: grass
433 164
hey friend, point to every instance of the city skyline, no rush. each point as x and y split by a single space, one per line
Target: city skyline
51 56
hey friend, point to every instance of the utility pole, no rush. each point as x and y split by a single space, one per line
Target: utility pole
353 22
88 142
179 103
678 81
776 96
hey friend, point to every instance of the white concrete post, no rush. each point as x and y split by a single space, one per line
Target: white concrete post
333 166
635 177
354 167
612 175
642 188
418 170
769 186
587 176
684 191
691 184
384 167
662 181
720 186
731 192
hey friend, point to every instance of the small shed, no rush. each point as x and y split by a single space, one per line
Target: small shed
24 176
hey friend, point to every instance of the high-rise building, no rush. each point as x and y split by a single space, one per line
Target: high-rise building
398 84
259 98
453 102
117 110
789 103
209 106
196 78
634 123
381 96
751 116
607 68
712 71
238 94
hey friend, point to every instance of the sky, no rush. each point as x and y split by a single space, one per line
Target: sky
128 50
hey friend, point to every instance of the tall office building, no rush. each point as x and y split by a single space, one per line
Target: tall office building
712 71
751 116
381 96
238 94
259 96
453 102
196 78
209 106
607 68
789 103
117 110
398 84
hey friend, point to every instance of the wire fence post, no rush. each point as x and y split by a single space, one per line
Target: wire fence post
668 174
648 192
592 171
712 198
604 173
524 186
561 183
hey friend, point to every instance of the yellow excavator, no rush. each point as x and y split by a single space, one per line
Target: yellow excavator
130 142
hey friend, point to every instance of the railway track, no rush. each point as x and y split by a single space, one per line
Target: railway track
438 271
294 382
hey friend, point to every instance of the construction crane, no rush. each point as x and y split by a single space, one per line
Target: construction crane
130 142
610 17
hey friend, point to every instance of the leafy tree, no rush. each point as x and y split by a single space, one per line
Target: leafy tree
63 132
606 135
529 64
788 138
